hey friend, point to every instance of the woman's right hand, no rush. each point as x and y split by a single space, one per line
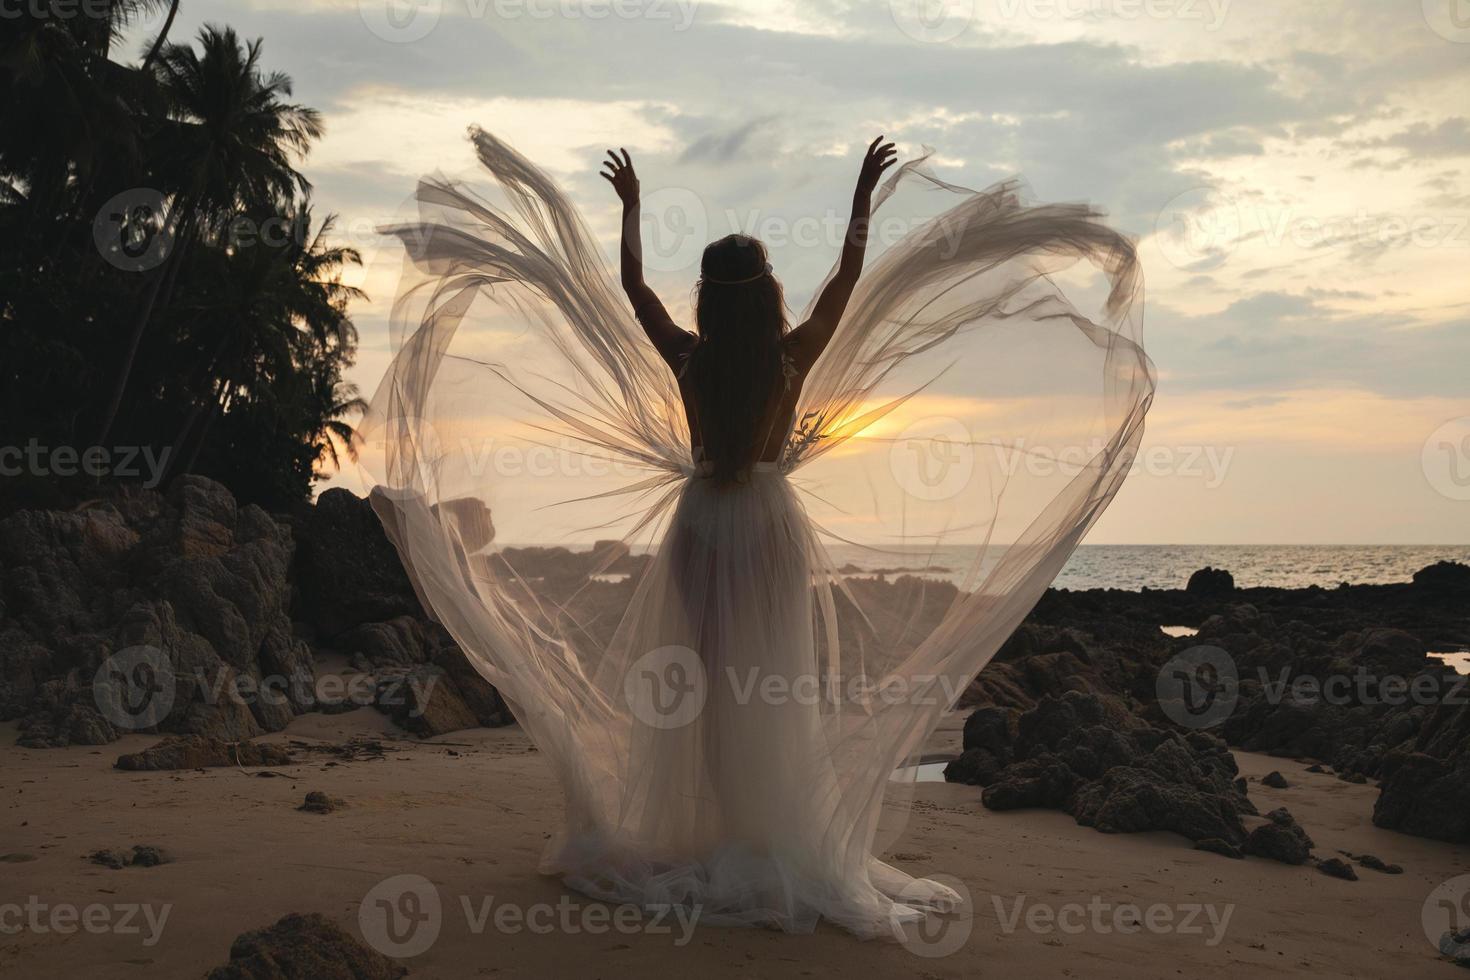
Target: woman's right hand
880 157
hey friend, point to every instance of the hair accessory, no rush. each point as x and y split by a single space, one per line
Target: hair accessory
735 282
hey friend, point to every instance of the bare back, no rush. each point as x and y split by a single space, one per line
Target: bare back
776 418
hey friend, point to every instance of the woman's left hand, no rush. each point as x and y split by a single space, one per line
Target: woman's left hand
620 174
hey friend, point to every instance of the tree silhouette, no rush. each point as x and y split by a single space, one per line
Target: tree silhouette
226 347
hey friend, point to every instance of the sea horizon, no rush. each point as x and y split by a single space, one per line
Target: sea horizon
1132 567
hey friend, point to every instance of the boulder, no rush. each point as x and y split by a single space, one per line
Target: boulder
424 700
1337 868
304 947
1280 838
1087 755
1429 797
146 612
485 702
1210 583
399 642
203 752
318 802
1456 946
1447 576
346 572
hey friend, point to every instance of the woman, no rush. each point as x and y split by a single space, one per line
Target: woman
729 732
743 369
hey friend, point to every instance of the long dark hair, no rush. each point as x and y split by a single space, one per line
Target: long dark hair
741 316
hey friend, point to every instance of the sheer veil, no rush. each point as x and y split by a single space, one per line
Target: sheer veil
978 408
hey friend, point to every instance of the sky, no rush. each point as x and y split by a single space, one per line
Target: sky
1297 176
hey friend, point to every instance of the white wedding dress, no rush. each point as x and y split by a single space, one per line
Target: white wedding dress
733 746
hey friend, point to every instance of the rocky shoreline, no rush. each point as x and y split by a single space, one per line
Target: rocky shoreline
1335 678
222 615
238 621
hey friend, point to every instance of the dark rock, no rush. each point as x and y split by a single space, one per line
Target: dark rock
1448 576
1378 864
992 728
1041 782
1337 868
288 659
346 572
187 579
202 752
1456 945
975 767
1315 768
1217 846
1353 777
424 701
399 642
479 695
1210 582
149 856
988 736
304 947
319 802
1130 800
110 858
207 517
1280 839
1428 796
1274 780
1088 755
140 856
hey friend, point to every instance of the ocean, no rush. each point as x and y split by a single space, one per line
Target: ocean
1127 566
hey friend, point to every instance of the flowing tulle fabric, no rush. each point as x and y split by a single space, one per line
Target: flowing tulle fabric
734 746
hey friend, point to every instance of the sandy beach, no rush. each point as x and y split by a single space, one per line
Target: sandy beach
470 813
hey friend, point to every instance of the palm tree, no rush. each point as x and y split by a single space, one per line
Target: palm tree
276 310
157 46
337 399
231 139
99 33
64 118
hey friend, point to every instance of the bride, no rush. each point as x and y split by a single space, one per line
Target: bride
732 737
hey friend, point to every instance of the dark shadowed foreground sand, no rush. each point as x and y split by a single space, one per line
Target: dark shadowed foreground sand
470 813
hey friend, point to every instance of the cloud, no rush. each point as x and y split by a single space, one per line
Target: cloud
1448 138
727 147
1288 342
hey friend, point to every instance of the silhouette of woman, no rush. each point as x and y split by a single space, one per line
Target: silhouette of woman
730 730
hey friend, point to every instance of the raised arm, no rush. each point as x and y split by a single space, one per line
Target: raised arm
668 339
811 338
